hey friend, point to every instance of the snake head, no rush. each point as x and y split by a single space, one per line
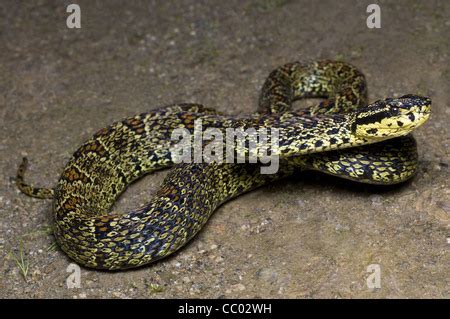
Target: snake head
391 117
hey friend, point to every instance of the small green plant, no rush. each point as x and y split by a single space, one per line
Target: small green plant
52 246
155 288
339 57
21 261
43 230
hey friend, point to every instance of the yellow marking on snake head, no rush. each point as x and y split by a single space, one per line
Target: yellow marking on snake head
391 117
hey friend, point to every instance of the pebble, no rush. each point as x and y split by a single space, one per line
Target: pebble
301 203
377 200
36 273
118 294
268 274
186 279
245 226
238 287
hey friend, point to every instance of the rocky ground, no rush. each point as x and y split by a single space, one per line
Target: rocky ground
306 237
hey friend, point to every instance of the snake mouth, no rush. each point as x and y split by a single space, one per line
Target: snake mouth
389 128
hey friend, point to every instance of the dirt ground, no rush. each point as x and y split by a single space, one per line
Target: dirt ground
310 236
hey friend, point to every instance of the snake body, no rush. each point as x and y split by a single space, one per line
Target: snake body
342 136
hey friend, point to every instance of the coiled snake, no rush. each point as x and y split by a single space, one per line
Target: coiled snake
336 137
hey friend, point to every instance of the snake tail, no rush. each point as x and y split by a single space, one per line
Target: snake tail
37 192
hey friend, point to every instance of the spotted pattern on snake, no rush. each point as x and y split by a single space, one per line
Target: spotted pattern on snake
342 136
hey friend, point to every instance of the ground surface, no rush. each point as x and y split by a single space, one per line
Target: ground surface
308 236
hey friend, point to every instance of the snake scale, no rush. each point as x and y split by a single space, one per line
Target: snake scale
343 136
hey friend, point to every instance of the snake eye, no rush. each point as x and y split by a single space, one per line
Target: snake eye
394 110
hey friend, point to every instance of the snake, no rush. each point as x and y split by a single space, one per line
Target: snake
342 135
